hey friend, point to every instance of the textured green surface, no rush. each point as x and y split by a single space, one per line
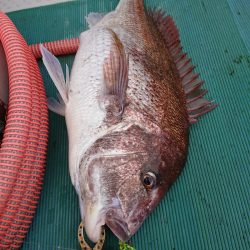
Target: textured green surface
209 205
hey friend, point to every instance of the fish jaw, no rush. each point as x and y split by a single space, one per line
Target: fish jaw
94 220
119 229
96 216
124 228
91 202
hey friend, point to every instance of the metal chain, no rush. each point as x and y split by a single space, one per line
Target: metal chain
84 245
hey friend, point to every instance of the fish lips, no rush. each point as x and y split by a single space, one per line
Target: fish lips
119 227
123 227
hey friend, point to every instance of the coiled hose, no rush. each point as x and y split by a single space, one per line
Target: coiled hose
24 144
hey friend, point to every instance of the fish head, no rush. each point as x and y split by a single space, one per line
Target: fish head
128 174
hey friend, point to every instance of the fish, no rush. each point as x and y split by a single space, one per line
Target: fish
128 103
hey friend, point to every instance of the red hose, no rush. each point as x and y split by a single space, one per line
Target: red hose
24 144
60 47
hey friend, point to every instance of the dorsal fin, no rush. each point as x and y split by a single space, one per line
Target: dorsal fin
197 105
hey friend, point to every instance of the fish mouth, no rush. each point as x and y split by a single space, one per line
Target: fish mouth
117 225
119 228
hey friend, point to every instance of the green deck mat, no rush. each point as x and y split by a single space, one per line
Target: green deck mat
209 205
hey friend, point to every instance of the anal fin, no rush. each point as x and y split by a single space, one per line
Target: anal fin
197 105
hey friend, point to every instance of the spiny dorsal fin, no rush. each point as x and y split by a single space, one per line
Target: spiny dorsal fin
197 105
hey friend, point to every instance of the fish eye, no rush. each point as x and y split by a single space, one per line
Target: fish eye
149 180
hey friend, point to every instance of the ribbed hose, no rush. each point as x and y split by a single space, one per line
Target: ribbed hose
23 149
60 47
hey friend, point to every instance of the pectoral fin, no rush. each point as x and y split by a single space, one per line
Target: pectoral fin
54 69
115 71
56 106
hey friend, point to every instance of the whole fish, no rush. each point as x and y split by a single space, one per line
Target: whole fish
128 105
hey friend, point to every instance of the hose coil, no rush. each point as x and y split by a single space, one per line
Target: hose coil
24 144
